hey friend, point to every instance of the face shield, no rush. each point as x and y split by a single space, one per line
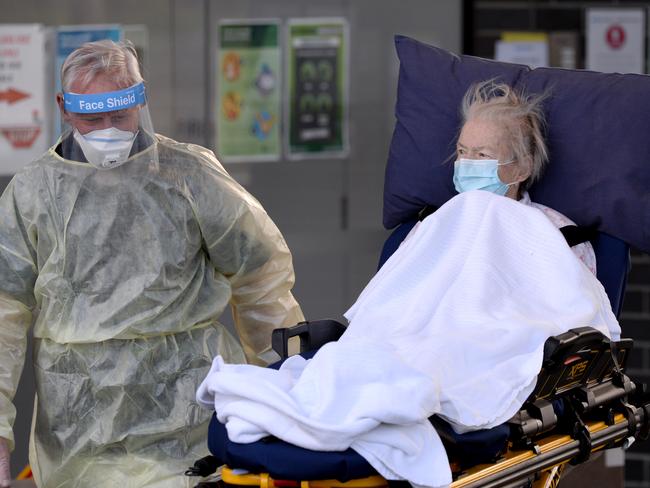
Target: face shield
106 129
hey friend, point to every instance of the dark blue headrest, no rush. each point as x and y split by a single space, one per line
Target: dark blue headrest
598 138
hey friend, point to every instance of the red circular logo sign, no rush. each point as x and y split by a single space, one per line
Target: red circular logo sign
615 36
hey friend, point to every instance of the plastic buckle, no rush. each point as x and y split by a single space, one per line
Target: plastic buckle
583 436
532 446
644 432
633 426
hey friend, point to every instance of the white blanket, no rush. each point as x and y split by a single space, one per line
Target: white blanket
454 323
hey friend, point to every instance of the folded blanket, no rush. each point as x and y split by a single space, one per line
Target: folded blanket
454 324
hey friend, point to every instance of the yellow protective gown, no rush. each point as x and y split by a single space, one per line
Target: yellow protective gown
124 274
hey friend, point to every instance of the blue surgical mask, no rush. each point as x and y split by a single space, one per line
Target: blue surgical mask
479 174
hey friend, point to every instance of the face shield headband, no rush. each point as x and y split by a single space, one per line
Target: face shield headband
104 125
92 103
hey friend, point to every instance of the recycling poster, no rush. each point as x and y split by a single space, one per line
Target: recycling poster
317 88
23 92
249 91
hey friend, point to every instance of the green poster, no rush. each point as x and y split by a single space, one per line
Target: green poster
317 91
248 91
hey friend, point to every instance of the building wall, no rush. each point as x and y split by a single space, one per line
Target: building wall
635 322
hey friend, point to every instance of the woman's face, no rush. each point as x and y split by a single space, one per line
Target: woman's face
486 139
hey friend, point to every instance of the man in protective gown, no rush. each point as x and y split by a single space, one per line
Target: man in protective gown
123 248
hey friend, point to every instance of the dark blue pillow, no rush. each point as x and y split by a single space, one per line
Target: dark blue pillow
598 138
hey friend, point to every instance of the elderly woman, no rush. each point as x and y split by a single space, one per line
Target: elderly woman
501 149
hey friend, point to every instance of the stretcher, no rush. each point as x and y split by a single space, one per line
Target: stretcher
583 402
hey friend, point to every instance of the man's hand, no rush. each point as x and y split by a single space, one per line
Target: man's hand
5 473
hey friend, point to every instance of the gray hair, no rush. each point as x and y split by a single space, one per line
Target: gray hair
521 115
117 59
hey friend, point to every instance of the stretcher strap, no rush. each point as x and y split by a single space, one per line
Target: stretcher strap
575 234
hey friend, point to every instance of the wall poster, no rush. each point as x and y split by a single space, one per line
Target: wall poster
23 91
248 91
529 48
317 91
615 40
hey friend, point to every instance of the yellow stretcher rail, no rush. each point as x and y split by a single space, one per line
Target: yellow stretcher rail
263 480
513 458
548 474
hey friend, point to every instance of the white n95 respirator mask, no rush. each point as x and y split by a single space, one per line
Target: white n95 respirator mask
106 148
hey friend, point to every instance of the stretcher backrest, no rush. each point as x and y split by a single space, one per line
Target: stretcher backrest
612 267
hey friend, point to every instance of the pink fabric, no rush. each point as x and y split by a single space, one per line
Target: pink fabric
5 478
585 251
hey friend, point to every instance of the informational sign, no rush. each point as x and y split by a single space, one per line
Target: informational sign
529 48
249 91
23 93
317 96
615 40
69 38
564 49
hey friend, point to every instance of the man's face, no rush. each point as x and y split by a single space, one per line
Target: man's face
126 119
